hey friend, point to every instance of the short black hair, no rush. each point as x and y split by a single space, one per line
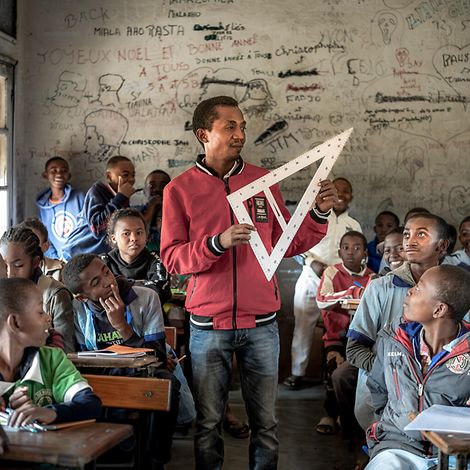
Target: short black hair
396 231
452 237
342 178
13 296
35 224
442 225
72 270
452 289
391 214
121 214
113 161
355 234
413 211
158 172
206 113
465 220
55 159
26 237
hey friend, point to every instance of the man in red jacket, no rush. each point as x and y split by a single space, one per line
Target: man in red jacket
232 305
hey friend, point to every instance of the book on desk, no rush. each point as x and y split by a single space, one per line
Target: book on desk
117 350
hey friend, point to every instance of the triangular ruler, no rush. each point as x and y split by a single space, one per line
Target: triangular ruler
329 152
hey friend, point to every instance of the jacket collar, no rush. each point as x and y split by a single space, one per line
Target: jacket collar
402 276
235 170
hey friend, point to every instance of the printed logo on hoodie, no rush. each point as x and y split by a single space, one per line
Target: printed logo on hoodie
63 224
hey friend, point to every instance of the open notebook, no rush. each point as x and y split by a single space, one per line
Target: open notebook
117 350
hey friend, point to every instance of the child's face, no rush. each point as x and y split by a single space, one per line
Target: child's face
353 253
18 262
57 173
394 254
384 224
130 237
96 280
344 196
420 302
421 241
125 170
154 184
33 323
464 236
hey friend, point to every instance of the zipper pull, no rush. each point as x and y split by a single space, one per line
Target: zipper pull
420 390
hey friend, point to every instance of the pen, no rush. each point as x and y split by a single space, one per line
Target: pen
181 358
358 285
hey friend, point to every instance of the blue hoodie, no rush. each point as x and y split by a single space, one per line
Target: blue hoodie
60 219
89 235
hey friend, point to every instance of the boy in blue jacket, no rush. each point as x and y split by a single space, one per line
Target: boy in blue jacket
420 363
59 205
101 201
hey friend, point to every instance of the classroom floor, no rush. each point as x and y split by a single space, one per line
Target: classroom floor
301 447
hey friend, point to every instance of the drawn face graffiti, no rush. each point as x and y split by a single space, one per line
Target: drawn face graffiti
459 202
401 55
66 94
93 142
387 23
412 159
336 118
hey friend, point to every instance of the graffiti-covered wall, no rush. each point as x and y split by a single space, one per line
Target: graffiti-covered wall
122 76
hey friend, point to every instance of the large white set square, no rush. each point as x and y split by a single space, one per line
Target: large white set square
329 152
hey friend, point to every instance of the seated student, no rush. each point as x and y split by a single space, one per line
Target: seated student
461 257
155 182
393 253
425 243
59 205
49 266
418 364
108 311
21 251
345 280
384 222
130 258
60 394
101 200
324 253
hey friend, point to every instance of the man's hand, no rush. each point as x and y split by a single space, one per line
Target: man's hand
336 355
25 411
115 308
327 196
238 234
125 188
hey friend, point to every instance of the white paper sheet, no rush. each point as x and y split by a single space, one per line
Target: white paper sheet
440 418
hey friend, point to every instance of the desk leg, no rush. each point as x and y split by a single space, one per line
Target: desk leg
461 462
443 463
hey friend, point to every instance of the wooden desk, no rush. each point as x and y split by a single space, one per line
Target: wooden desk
73 447
119 362
450 444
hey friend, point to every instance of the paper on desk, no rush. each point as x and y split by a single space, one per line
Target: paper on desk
441 418
117 350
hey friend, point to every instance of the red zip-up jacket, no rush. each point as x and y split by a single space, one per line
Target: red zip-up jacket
228 286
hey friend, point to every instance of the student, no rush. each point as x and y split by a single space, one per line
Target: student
232 305
49 266
101 201
130 258
393 253
59 205
384 222
461 257
425 243
418 364
47 386
155 182
345 280
3 267
306 311
23 255
108 311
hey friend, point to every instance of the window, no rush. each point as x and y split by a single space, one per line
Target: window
6 114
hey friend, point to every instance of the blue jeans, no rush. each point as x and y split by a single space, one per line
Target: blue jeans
257 353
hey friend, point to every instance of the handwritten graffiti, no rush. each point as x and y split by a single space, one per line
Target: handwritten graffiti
70 89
